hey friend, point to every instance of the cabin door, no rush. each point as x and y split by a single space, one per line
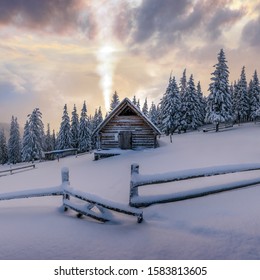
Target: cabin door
125 140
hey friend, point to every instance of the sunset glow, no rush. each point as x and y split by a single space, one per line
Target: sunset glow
59 52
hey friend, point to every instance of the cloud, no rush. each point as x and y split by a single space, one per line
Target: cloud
223 18
159 17
251 32
48 15
164 25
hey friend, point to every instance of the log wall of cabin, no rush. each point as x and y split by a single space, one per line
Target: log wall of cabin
143 135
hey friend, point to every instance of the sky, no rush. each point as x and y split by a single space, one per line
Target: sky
57 52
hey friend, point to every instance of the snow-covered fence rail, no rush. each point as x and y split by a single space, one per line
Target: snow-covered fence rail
138 180
221 126
12 170
32 193
95 207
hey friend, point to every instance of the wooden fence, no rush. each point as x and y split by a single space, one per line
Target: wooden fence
102 207
13 170
94 207
212 127
138 180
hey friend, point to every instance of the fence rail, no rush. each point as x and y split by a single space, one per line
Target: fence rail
212 127
102 206
95 207
138 180
12 170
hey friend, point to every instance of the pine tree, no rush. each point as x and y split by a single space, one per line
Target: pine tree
115 101
27 143
183 83
170 108
14 142
64 136
33 139
90 123
219 103
100 116
190 118
153 114
234 94
134 101
242 106
84 131
159 115
254 97
94 122
3 148
97 119
75 128
201 105
138 104
48 140
54 141
145 110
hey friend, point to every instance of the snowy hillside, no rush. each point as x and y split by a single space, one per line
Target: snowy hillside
220 226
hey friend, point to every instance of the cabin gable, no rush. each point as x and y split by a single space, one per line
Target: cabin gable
127 128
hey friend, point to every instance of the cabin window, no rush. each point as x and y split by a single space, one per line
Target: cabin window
127 112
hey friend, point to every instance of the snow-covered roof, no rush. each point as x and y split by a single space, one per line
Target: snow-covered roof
126 102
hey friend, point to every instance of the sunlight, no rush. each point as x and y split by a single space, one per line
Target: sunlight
106 65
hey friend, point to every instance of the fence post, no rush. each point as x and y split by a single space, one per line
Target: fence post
65 182
133 187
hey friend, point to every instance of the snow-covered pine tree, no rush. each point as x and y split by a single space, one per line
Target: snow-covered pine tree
33 139
153 114
201 105
74 128
233 93
27 143
138 104
99 116
249 91
242 106
97 119
54 140
64 136
37 127
3 148
254 97
145 110
170 108
183 83
219 103
190 117
159 120
134 101
84 131
114 101
94 121
14 142
48 140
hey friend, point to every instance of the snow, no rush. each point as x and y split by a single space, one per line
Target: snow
139 179
220 226
32 193
193 193
100 201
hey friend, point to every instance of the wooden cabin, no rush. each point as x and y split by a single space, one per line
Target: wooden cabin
126 128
